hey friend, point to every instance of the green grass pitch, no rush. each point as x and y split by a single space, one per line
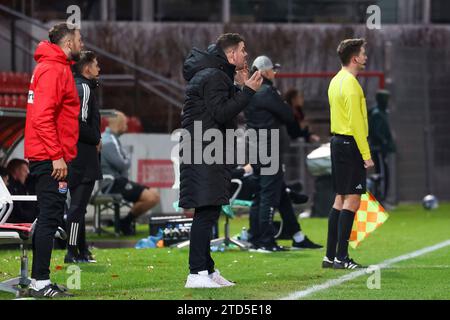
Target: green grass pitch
161 273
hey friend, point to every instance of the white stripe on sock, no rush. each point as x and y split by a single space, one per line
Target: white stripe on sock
75 237
73 234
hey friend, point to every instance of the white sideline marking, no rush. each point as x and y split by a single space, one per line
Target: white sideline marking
350 276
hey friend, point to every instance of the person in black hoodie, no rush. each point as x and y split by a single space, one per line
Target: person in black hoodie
381 141
268 111
213 100
85 168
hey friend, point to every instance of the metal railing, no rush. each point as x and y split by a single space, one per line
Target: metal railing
173 87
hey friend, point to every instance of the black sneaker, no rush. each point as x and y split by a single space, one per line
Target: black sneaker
70 258
86 257
277 248
267 249
50 291
327 263
305 244
260 249
298 198
127 227
346 264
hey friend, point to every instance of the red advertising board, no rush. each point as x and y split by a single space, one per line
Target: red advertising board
155 173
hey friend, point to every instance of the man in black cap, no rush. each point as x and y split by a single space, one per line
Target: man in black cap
268 111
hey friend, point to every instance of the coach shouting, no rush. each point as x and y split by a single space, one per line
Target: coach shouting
51 135
212 99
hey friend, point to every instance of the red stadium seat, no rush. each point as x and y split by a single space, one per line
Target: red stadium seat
134 125
103 124
22 103
24 82
7 101
14 83
14 101
3 82
10 82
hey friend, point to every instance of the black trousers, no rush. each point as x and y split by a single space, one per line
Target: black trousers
200 238
79 199
51 196
290 222
381 168
267 198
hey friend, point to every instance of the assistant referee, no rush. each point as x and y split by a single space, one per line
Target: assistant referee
350 153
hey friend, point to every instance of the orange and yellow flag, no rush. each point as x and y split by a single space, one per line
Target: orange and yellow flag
369 217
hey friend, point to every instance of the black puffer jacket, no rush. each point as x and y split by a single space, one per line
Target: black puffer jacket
86 165
268 110
211 98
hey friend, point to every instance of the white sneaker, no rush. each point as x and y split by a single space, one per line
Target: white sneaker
304 215
217 278
201 280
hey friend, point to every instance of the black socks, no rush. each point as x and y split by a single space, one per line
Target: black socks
332 239
345 224
129 218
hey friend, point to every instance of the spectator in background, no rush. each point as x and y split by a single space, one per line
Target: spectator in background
115 161
296 100
380 140
19 184
85 168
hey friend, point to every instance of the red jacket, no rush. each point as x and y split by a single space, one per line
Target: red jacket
51 130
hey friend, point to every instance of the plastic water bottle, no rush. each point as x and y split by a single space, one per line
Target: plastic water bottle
244 234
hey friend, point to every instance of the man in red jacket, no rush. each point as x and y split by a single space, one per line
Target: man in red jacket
51 135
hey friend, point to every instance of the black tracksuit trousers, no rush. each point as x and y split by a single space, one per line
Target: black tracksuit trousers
51 197
76 227
200 238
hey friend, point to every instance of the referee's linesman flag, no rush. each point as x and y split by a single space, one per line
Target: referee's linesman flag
369 217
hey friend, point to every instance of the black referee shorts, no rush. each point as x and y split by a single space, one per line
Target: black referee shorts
347 166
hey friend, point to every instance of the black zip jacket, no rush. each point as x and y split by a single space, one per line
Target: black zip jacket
86 166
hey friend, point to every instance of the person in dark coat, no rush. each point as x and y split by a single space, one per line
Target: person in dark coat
268 111
85 168
212 101
381 141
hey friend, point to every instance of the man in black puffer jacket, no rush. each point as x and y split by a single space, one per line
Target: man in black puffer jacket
85 168
212 101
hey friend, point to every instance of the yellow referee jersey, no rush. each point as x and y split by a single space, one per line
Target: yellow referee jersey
348 110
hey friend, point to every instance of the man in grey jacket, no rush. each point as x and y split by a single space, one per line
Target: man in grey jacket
116 162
